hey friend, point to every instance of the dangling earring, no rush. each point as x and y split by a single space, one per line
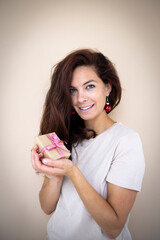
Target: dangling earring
107 107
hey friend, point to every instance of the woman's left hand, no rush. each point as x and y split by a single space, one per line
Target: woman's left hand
63 166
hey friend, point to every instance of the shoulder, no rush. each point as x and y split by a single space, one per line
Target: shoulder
128 137
119 133
128 141
122 133
128 165
123 130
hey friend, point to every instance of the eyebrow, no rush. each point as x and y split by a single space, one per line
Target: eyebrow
89 81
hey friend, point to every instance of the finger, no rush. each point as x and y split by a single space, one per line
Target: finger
47 170
59 163
38 163
34 151
33 159
35 148
41 155
48 162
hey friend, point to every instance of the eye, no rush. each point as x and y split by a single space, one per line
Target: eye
72 90
90 86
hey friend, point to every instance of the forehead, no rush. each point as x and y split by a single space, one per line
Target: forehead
84 73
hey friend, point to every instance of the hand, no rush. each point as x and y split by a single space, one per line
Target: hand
60 167
39 167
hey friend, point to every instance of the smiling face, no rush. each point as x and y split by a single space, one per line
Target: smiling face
88 93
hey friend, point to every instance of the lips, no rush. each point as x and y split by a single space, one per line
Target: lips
86 108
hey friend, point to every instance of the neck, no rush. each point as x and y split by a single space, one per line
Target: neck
101 124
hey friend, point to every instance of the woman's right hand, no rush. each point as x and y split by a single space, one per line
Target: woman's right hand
38 165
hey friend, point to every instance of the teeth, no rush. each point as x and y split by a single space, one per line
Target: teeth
85 108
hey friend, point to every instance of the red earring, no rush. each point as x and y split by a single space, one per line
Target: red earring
107 107
73 112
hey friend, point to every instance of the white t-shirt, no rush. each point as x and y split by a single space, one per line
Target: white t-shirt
114 156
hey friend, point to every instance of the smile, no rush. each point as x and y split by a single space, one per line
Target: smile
86 108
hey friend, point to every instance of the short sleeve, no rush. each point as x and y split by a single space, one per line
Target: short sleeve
128 165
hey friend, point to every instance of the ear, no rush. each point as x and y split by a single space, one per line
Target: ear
108 89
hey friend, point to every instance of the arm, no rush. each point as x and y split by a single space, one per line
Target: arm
50 191
111 215
49 195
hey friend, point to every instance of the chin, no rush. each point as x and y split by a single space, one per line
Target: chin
87 118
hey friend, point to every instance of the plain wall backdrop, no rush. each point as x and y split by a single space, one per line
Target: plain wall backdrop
35 35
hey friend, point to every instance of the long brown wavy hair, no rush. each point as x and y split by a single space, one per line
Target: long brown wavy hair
57 114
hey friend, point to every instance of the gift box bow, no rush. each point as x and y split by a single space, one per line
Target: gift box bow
56 144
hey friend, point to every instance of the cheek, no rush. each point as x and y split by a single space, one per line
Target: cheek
73 99
102 100
100 96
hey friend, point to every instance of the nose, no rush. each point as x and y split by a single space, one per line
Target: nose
82 97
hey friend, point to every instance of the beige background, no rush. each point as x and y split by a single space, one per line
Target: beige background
34 36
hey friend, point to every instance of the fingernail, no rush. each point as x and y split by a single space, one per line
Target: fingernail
44 161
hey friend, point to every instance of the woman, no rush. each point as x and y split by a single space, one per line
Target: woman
91 194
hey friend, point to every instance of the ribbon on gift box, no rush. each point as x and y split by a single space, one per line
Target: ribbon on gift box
56 144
